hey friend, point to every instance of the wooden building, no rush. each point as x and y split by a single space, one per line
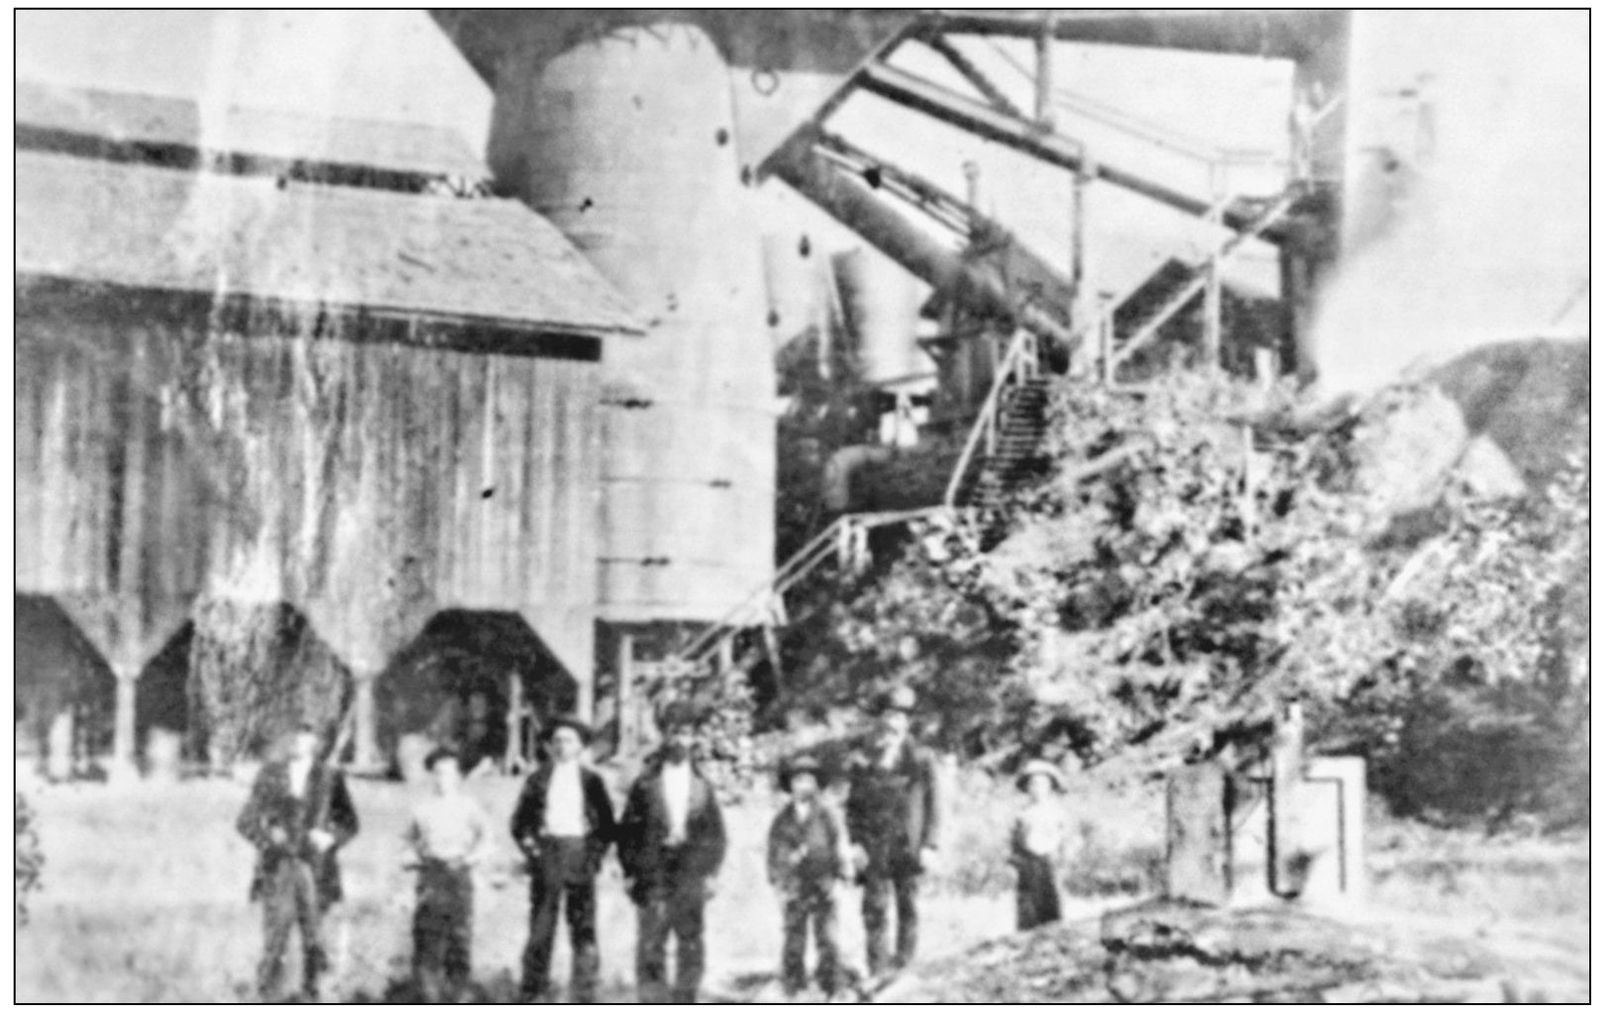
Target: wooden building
324 386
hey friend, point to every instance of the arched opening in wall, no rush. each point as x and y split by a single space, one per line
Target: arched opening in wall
256 671
162 703
479 680
64 688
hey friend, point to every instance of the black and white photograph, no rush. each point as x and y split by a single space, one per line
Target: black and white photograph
799 506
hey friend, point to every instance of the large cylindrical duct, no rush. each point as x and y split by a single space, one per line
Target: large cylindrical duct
624 138
881 301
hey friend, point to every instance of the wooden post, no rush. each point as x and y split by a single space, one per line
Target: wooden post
513 757
1076 307
365 744
1197 835
1213 293
625 675
1286 779
1043 73
1105 336
123 767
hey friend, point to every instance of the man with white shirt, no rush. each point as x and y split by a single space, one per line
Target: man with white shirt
564 824
298 815
448 834
672 843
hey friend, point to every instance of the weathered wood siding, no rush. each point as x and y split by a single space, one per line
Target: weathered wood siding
165 453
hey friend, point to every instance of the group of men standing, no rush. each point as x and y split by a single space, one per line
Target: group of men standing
670 838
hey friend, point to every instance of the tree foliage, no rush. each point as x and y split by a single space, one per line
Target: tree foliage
1201 556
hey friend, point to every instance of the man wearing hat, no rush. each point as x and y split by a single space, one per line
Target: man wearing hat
806 853
298 816
672 843
894 819
564 824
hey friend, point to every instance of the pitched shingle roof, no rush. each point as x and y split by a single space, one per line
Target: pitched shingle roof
153 228
123 117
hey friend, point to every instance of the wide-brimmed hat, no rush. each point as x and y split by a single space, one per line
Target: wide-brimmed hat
795 766
571 722
1039 767
896 699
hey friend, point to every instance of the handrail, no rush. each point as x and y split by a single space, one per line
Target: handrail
803 559
820 548
987 413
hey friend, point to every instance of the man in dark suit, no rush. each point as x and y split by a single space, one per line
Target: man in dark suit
671 845
298 816
564 824
893 817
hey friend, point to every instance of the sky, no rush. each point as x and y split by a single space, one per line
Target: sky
383 65
1499 231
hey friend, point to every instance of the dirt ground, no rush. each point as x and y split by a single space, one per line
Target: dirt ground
144 899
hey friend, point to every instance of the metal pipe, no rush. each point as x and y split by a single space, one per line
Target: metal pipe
853 203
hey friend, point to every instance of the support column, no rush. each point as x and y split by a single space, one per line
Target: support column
366 756
123 767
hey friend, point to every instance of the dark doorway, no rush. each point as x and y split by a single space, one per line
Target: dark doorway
456 682
59 670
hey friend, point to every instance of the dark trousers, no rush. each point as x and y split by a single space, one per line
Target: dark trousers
1038 901
443 910
677 908
812 909
876 890
562 874
290 899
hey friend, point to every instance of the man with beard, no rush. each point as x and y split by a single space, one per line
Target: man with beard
298 816
672 842
893 817
564 824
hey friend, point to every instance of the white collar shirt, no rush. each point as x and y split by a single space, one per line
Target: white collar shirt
677 783
296 775
563 816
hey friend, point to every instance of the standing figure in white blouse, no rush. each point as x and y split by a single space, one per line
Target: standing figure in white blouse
1038 835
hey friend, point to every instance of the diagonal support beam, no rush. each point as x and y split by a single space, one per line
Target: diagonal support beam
970 71
1022 135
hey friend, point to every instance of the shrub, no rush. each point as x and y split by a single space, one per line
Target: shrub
30 859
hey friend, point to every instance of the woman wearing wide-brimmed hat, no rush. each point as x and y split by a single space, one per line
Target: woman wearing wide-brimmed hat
1038 835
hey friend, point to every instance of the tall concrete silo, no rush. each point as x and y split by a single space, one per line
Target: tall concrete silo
625 140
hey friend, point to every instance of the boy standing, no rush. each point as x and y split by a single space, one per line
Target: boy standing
449 833
806 853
